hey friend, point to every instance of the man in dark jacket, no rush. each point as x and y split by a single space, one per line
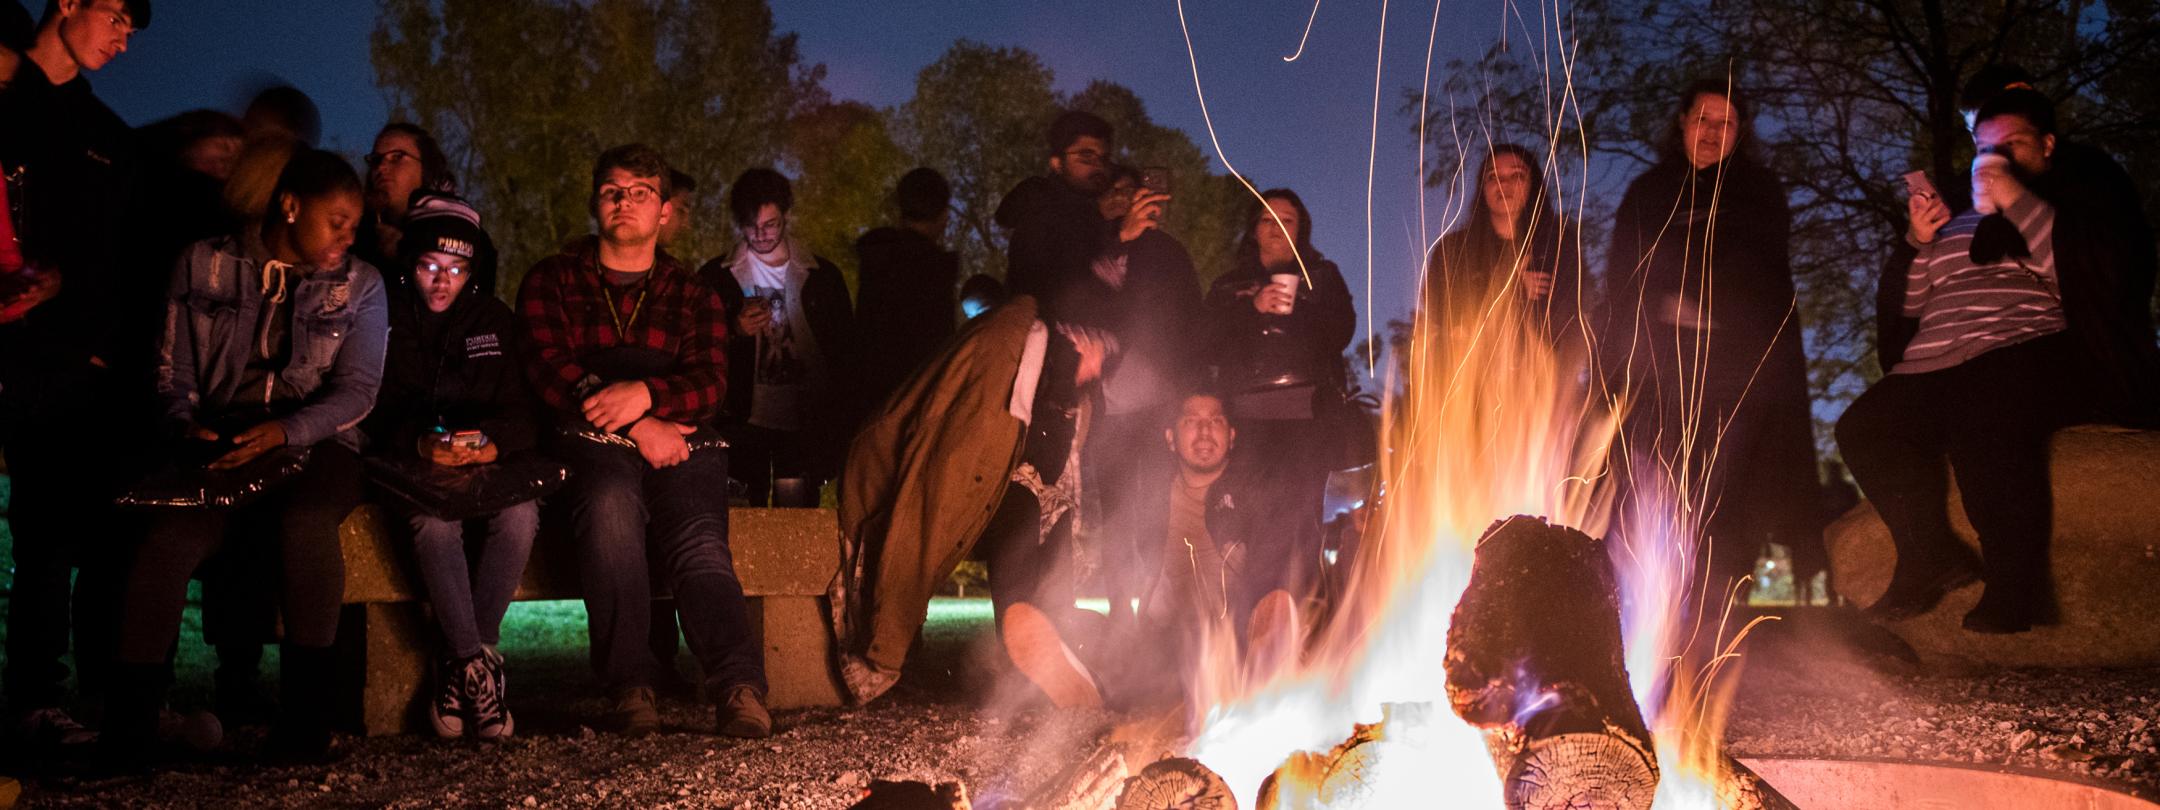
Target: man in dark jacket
1055 225
793 328
905 309
70 361
1208 542
628 350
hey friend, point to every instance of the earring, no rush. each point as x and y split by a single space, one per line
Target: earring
291 218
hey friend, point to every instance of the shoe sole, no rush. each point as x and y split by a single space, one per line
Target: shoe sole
1034 646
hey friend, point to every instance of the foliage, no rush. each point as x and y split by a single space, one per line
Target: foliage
978 115
1849 95
844 163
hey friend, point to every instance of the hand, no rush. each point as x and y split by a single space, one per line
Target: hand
1093 351
200 433
1926 213
1537 284
1145 215
43 287
1272 300
661 442
617 405
251 444
1995 187
445 453
754 319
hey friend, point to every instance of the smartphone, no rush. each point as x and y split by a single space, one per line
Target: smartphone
1918 185
1155 179
468 439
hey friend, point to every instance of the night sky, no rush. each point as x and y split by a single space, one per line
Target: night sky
1304 125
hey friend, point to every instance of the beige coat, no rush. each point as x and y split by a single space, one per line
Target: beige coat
923 476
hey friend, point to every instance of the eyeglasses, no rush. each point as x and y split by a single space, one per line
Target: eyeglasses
1087 157
393 157
767 228
635 195
435 268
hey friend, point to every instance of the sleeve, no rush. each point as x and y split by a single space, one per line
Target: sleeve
513 420
348 393
176 392
1334 314
545 327
694 393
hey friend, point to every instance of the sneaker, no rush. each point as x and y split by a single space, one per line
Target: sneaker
1033 643
52 728
447 711
636 713
743 714
486 687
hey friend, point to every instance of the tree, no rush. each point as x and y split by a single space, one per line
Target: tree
1849 95
978 115
523 94
845 166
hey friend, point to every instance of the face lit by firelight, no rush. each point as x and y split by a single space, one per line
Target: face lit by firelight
1710 130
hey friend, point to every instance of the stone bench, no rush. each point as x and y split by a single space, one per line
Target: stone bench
2105 561
785 557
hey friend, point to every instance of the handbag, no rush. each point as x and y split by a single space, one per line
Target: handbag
420 486
186 483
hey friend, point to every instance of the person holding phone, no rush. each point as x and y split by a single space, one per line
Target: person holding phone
274 338
1991 341
454 395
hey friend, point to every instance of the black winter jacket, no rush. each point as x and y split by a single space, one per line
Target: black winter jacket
459 370
1320 326
904 311
1055 234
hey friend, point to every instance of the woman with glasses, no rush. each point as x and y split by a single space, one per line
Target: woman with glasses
272 352
453 397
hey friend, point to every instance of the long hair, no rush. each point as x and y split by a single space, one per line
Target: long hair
1672 147
1248 249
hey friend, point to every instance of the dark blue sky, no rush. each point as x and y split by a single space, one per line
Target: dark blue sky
1305 124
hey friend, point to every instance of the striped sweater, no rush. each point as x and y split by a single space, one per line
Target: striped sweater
1967 309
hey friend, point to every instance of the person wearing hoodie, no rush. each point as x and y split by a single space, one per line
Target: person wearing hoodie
1055 224
1278 323
453 395
274 338
905 307
793 326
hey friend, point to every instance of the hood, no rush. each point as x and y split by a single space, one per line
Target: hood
1032 194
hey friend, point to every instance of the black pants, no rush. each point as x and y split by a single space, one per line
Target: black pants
759 457
61 516
1025 565
297 523
1990 418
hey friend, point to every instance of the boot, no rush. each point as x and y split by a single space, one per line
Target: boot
301 734
129 742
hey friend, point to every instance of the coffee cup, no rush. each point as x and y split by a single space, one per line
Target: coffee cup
1288 283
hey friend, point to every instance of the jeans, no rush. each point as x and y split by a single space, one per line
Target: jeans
1990 418
469 602
623 510
301 517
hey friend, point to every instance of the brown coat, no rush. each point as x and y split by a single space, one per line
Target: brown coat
923 476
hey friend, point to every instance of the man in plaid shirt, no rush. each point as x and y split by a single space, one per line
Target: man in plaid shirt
628 350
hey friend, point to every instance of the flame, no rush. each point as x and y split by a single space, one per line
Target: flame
1497 416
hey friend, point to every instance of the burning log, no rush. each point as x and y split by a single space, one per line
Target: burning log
1090 784
1176 784
1534 659
1345 775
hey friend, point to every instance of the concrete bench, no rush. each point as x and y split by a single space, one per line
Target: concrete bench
785 557
2104 558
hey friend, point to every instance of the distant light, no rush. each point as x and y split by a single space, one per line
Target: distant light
1330 555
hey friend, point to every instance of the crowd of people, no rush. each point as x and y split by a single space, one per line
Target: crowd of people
217 301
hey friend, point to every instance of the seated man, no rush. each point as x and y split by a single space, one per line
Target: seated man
1999 338
1202 558
629 351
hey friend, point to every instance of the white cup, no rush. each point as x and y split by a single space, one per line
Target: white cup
1986 168
1288 283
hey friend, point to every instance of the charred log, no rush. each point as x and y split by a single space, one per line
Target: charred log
1176 784
1091 784
1535 660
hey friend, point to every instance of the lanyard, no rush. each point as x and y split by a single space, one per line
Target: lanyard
622 327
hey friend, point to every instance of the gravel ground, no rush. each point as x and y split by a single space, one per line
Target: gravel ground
1809 690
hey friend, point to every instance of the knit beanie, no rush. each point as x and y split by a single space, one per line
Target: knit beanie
443 223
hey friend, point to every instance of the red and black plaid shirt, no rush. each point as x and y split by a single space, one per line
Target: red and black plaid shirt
565 317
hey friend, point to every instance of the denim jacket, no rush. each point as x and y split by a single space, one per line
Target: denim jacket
340 327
